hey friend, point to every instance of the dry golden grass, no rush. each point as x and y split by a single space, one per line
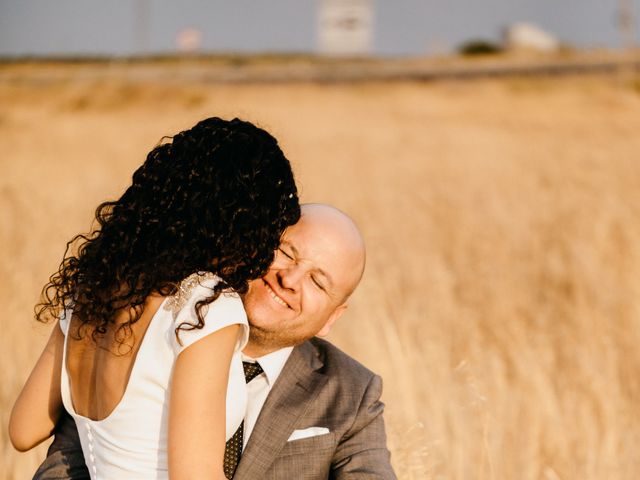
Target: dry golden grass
501 302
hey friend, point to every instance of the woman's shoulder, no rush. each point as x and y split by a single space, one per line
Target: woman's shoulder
195 287
227 309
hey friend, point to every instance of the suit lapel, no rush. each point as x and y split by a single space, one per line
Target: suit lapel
296 388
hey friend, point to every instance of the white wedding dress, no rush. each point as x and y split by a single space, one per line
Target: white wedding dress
131 442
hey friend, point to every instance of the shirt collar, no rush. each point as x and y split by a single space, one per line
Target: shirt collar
272 363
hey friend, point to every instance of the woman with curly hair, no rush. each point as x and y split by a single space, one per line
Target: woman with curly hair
146 356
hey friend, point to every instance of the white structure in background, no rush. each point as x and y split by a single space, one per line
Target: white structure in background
526 36
345 27
189 40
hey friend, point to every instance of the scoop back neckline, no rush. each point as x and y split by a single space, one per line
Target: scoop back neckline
134 368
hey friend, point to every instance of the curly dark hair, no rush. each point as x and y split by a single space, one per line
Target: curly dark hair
216 198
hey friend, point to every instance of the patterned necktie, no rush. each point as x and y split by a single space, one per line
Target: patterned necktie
233 449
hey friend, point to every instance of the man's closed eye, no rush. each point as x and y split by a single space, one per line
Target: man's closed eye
285 253
317 283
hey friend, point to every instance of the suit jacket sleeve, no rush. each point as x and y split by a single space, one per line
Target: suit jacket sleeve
64 458
362 452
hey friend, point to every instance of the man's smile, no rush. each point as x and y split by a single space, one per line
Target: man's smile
273 295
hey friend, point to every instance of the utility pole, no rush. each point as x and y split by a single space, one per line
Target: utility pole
141 27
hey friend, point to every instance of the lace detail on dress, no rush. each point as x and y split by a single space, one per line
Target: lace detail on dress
178 300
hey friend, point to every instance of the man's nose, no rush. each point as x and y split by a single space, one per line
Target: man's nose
291 276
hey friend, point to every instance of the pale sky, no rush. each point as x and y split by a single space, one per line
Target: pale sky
401 27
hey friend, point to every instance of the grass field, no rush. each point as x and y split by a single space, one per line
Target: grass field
501 301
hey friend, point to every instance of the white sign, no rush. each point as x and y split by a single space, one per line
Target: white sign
345 27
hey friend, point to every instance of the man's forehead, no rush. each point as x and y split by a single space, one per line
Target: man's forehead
315 248
310 237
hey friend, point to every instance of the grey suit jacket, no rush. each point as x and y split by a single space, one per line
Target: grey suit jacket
320 386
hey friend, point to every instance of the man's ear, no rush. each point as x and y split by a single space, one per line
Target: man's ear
337 313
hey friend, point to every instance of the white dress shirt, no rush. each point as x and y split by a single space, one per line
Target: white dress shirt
260 386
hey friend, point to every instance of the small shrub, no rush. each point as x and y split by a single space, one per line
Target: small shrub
479 47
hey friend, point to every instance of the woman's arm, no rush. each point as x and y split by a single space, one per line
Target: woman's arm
197 413
39 404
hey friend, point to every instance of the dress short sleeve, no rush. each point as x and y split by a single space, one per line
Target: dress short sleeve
224 311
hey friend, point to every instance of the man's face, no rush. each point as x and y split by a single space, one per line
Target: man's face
303 292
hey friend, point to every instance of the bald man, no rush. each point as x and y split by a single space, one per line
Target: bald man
314 412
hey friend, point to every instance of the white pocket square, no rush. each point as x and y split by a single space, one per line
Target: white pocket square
308 432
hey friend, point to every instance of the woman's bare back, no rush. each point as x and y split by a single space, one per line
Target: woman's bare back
99 371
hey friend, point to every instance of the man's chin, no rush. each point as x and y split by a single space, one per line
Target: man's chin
265 341
265 331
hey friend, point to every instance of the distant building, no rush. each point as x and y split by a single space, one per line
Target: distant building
526 36
345 27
